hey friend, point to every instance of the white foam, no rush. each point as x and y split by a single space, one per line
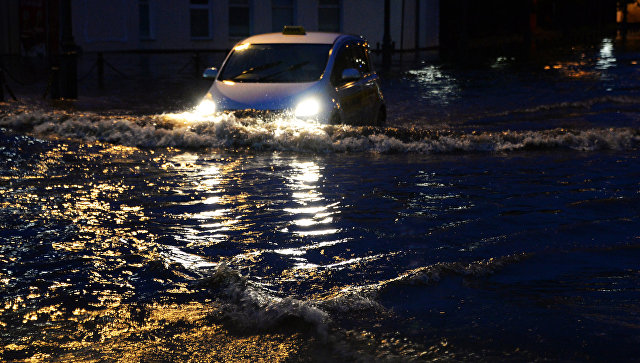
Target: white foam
227 131
351 300
249 306
432 274
586 104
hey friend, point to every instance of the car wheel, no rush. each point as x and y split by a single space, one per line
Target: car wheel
381 118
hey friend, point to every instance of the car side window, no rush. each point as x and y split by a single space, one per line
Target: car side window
352 55
343 61
360 59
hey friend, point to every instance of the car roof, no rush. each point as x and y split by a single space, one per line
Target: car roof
309 38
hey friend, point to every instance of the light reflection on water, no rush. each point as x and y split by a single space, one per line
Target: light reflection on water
221 213
607 59
122 242
587 68
440 86
155 254
313 216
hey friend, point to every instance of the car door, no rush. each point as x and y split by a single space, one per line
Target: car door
348 92
369 88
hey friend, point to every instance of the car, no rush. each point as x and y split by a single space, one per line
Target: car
314 76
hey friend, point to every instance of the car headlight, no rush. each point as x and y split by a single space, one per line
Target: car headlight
307 108
206 107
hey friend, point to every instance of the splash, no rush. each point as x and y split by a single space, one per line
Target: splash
249 306
189 131
432 274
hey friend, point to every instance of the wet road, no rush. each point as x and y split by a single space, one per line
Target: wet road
495 218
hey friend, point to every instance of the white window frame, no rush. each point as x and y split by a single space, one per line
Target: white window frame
207 7
294 13
250 8
152 25
338 6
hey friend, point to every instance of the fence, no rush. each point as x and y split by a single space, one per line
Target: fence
107 70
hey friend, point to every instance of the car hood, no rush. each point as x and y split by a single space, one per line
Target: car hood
259 96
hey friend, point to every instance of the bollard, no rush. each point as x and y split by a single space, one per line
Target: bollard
1 85
386 37
69 74
54 82
100 65
196 64
69 57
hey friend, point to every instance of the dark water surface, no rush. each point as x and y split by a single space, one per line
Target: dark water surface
497 217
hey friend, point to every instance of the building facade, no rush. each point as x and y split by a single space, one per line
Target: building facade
33 27
123 25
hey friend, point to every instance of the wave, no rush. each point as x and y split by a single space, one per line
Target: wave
568 105
252 309
249 306
189 131
432 274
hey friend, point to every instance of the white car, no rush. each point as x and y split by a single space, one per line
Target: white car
325 77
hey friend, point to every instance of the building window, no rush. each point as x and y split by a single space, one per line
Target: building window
200 15
144 20
239 18
329 15
282 14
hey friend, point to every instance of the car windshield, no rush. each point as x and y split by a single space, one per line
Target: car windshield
278 63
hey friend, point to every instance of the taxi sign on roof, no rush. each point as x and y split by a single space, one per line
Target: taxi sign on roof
293 30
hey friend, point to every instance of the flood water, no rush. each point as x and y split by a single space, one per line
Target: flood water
496 217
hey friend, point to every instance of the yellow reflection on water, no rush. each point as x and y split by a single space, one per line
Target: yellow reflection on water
106 326
188 260
313 220
217 211
581 69
313 210
154 332
572 69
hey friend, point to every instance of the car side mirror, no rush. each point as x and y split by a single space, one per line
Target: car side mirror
350 74
210 73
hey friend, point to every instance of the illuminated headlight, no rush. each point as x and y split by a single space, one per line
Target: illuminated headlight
307 108
206 107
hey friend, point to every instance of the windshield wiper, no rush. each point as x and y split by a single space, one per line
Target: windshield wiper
254 70
288 69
